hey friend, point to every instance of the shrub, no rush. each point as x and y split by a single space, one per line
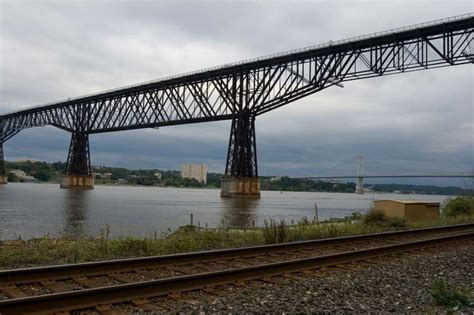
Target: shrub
378 218
462 205
356 216
448 297
130 247
375 218
274 232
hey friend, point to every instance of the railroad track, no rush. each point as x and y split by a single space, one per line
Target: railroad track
100 284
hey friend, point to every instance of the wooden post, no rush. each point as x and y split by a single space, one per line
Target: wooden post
316 212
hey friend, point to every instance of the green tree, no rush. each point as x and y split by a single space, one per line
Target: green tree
12 178
461 205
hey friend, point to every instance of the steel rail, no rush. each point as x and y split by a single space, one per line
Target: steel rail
29 275
128 292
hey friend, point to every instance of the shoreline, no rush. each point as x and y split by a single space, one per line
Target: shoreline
217 188
64 250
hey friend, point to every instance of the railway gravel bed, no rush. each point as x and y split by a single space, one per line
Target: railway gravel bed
402 285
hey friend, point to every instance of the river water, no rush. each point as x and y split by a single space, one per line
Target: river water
35 210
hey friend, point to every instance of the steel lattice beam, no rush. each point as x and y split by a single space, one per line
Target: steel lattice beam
261 85
242 152
2 161
78 159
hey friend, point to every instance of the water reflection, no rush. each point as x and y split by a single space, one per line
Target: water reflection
76 203
33 210
238 212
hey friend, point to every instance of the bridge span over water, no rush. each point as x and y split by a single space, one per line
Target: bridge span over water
241 92
395 174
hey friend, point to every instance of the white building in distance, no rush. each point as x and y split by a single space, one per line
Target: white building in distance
196 171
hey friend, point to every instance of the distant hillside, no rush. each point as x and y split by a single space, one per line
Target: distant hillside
52 172
421 189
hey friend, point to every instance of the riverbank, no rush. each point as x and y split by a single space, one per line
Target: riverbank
115 176
53 251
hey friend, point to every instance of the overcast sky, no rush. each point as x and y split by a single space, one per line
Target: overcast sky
416 122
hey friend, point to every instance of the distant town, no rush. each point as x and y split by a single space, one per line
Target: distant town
197 175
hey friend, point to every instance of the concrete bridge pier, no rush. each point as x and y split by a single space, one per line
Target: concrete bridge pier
3 174
78 174
241 174
240 187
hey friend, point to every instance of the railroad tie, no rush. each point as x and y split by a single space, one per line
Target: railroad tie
11 291
108 309
149 273
315 272
120 277
145 305
272 280
240 283
214 291
86 282
345 267
55 286
178 296
292 276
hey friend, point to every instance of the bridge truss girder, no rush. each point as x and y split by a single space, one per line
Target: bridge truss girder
255 87
2 161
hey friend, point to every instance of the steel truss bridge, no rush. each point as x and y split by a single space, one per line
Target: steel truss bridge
242 91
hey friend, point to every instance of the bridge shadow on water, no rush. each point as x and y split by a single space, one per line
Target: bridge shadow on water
76 205
238 212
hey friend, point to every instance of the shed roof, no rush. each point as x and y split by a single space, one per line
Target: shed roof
410 201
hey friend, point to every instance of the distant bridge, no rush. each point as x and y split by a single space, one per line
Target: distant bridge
391 176
242 91
360 176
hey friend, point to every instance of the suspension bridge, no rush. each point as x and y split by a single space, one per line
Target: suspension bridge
241 92
360 175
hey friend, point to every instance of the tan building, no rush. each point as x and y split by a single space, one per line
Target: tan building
408 210
196 171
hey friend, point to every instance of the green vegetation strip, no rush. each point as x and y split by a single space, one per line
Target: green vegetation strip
31 274
50 251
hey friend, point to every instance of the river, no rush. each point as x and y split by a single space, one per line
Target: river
36 210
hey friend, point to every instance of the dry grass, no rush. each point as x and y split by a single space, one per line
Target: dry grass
49 251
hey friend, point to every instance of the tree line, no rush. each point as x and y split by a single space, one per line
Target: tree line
52 172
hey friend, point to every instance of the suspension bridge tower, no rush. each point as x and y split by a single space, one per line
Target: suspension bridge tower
360 175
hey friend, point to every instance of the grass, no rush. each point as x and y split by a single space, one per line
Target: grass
50 251
449 298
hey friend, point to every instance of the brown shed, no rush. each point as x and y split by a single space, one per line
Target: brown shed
409 210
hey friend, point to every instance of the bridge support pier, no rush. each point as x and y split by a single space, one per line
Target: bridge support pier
241 173
78 173
3 175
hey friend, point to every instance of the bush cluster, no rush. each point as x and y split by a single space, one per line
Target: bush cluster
378 218
461 205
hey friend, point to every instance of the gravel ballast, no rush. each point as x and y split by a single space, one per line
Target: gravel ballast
400 285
